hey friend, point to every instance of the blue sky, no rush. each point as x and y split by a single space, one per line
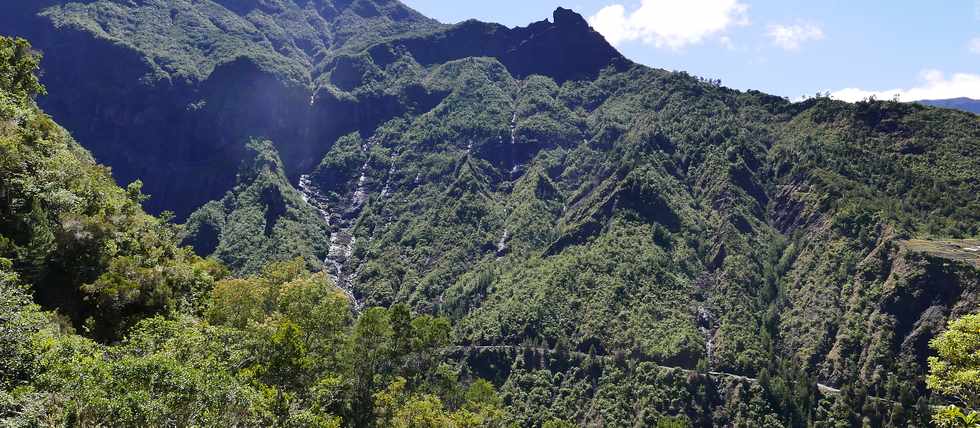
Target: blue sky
854 48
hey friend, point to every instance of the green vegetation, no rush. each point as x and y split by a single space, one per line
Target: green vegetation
18 65
963 250
915 167
82 242
277 349
186 40
262 219
181 344
655 215
644 248
956 372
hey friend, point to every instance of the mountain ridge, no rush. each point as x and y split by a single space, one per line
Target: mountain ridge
253 92
593 205
961 103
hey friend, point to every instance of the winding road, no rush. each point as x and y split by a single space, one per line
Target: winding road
824 389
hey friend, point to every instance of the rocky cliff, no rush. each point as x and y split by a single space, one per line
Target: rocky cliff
170 92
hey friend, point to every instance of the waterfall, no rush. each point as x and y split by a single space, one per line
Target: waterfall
341 240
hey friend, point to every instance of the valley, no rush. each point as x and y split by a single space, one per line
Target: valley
356 215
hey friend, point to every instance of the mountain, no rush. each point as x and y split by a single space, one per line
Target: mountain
614 244
82 242
223 71
965 104
164 337
190 81
262 218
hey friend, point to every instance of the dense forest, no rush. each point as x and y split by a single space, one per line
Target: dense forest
381 220
148 334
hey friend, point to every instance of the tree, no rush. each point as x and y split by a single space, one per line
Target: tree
238 302
557 423
20 320
673 422
18 64
955 372
370 355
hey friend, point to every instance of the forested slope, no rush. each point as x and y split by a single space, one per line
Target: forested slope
173 88
136 330
602 235
661 216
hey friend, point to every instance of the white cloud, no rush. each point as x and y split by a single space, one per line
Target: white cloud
669 23
790 37
974 45
726 42
933 86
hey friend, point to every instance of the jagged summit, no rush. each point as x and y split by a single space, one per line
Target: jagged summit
613 244
566 48
568 17
190 82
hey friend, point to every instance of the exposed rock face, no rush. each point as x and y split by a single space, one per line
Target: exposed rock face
262 218
468 172
177 117
563 50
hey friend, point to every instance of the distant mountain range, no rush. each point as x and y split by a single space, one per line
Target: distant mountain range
966 104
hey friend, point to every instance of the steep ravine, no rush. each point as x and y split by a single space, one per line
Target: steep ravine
341 240
178 119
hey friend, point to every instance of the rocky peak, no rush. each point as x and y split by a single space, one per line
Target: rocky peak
566 49
569 18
